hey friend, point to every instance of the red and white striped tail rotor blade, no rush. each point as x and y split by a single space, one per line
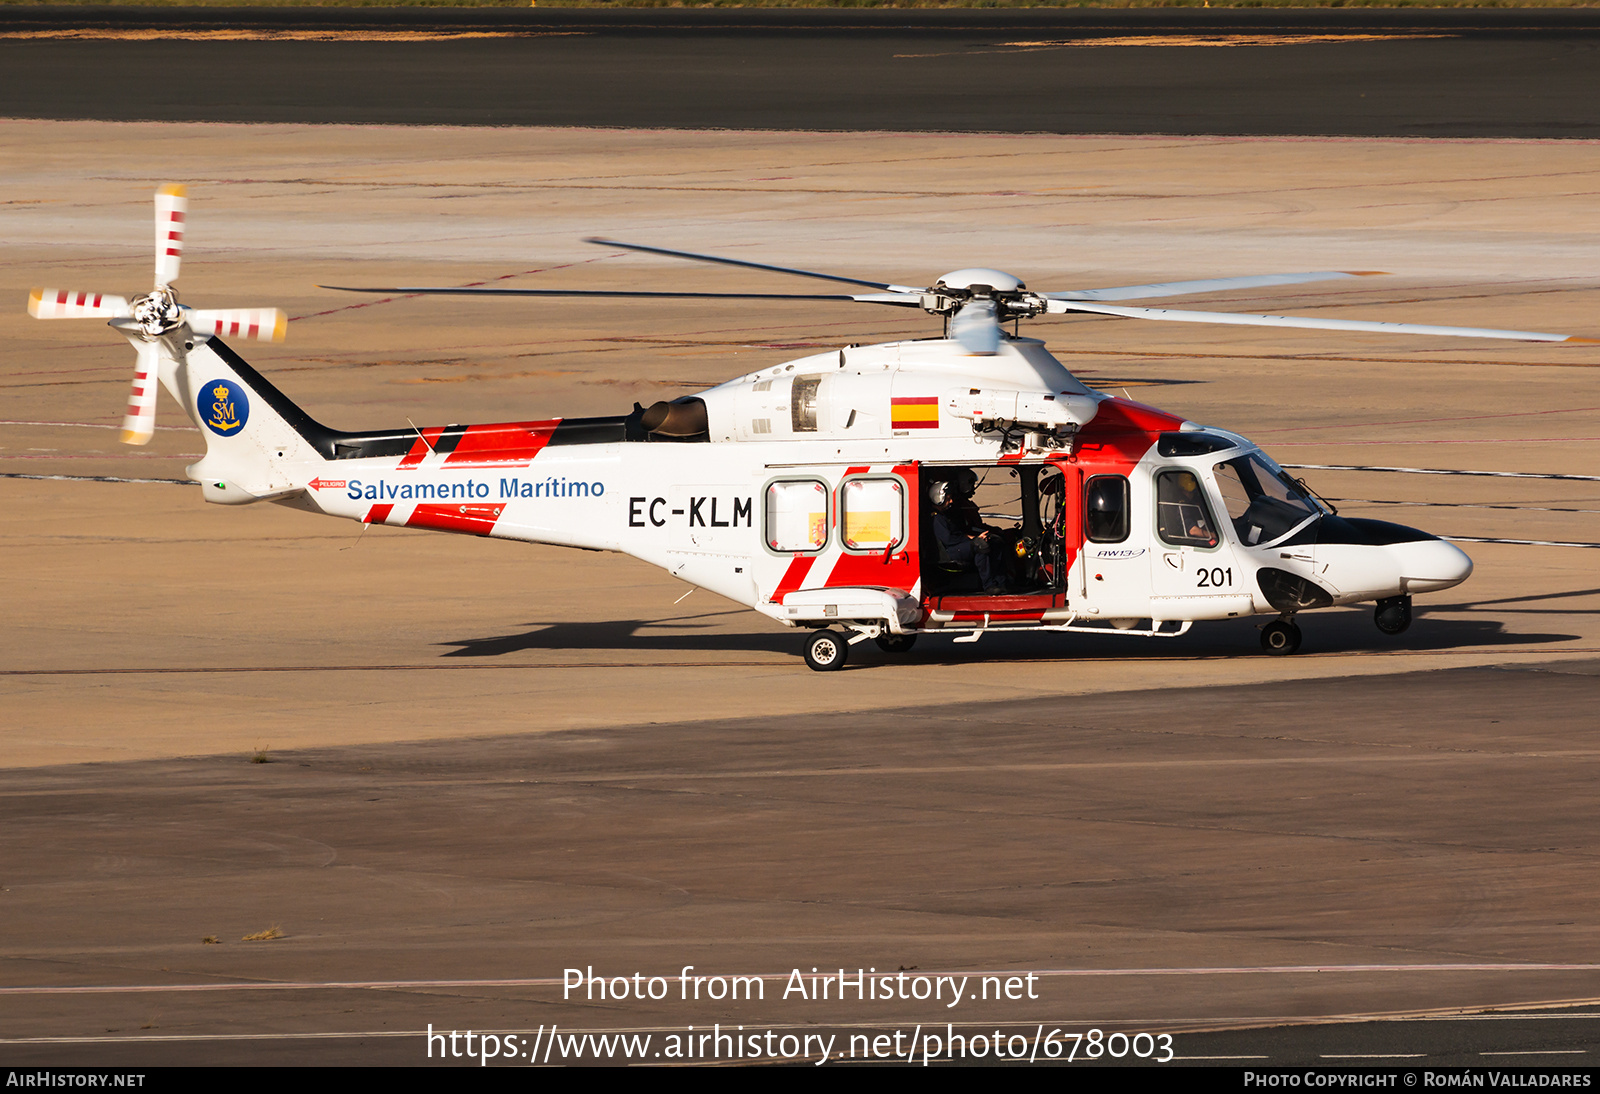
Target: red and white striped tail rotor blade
139 423
172 207
261 324
65 304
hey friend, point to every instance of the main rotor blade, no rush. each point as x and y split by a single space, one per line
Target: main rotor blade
905 299
1213 284
1171 316
749 265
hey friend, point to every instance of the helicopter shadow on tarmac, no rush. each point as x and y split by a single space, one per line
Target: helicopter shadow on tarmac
662 635
1339 631
1497 604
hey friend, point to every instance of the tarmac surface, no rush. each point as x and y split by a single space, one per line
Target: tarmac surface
1342 72
493 762
1161 861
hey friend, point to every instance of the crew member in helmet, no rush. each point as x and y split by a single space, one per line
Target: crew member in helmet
960 530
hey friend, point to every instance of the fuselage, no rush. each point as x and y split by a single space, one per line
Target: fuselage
803 491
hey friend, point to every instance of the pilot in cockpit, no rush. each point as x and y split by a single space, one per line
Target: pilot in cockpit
1184 516
959 528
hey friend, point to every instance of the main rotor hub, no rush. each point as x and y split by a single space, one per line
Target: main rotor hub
980 281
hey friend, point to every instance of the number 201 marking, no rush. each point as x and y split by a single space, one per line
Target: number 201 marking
1216 577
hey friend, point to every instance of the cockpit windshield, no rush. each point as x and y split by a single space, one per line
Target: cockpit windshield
1264 503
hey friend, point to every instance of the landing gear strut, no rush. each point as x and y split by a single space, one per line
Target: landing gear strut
1393 614
895 643
1280 637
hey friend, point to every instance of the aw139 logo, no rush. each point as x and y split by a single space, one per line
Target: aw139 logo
223 407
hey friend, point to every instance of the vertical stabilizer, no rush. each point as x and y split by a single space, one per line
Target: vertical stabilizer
255 448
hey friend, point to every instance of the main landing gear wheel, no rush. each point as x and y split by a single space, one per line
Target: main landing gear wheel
827 650
1280 637
896 643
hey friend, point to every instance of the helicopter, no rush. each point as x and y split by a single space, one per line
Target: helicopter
955 485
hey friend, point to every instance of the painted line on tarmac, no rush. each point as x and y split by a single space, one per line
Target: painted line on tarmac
92 425
1374 442
1519 542
93 478
1437 471
1461 505
781 659
1374 1056
782 977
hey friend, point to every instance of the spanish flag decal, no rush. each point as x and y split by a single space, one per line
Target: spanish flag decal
919 413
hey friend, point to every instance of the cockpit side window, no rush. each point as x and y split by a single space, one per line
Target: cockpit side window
1105 509
1263 502
1234 493
1183 519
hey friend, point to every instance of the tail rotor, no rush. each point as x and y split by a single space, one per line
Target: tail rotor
139 423
172 209
61 304
159 327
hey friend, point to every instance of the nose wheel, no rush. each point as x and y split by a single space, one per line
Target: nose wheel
1280 637
827 651
1393 614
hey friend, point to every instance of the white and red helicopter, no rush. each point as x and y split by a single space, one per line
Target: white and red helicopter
848 493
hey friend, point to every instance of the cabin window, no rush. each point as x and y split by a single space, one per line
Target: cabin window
1183 519
797 516
1105 509
872 514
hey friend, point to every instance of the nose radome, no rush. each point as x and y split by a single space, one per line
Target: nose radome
1431 565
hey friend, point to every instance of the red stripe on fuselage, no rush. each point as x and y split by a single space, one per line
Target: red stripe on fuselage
1013 608
1000 616
378 514
507 444
1120 434
793 577
422 446
1124 415
476 520
898 569
877 570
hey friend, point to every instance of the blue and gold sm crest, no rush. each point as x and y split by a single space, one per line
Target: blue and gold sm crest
223 407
